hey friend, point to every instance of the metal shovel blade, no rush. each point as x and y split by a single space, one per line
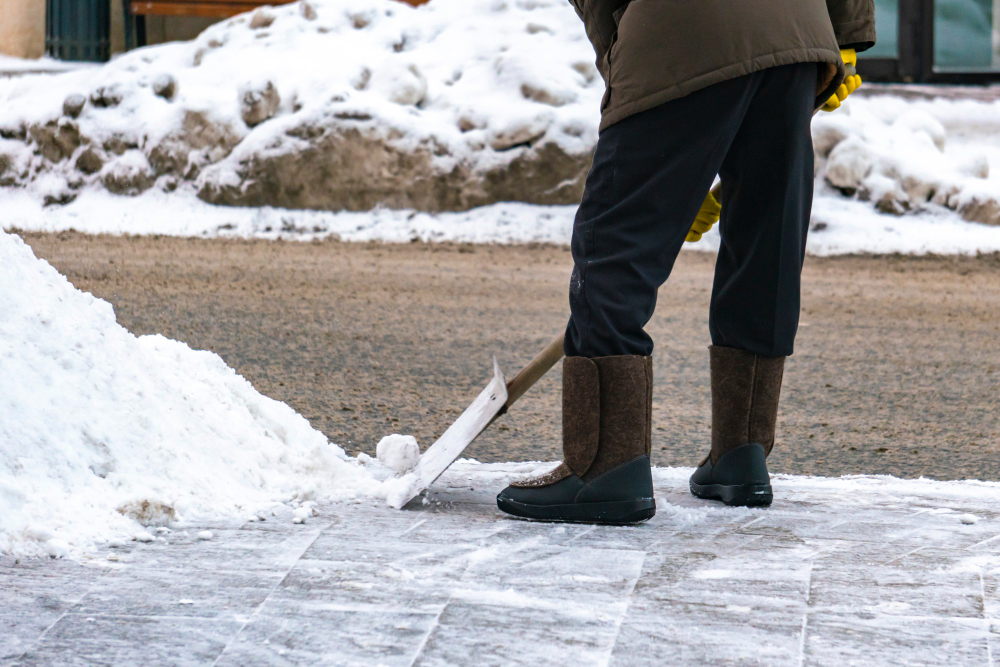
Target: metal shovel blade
453 442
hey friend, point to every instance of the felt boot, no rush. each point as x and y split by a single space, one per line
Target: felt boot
605 474
745 391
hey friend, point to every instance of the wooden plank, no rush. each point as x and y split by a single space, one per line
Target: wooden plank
209 8
202 8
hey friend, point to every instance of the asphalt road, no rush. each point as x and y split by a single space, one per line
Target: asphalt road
897 368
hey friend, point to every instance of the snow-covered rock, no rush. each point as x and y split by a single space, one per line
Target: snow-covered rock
258 102
104 432
849 164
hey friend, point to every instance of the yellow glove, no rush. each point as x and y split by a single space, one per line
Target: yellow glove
851 83
707 216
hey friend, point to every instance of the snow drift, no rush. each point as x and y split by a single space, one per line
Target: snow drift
104 432
913 156
330 104
346 106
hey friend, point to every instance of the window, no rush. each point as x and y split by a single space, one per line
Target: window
887 27
964 34
935 41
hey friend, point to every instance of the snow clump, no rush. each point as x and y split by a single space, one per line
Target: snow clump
398 452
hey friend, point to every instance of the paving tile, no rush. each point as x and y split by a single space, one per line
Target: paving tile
762 631
316 634
886 640
35 594
256 547
905 589
145 591
837 572
391 575
22 622
81 639
470 633
554 573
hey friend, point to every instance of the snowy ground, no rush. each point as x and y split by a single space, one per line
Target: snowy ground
857 571
839 226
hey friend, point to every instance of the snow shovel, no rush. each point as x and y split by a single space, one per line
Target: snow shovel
492 402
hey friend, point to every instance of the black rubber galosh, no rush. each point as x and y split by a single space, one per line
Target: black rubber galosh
621 495
739 478
740 495
618 512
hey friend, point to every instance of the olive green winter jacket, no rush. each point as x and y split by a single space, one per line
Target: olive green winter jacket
653 51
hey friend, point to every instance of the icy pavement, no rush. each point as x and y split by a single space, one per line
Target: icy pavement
868 571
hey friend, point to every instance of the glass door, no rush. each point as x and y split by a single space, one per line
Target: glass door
935 41
965 35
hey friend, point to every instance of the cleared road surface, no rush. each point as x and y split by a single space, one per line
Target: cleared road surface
896 371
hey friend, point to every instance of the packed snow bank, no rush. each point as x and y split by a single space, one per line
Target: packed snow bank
455 105
103 432
398 452
329 104
839 226
913 156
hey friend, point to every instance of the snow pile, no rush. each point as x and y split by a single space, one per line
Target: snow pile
399 453
334 105
325 104
897 155
103 432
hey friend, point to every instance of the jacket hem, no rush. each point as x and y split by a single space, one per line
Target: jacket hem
858 35
749 66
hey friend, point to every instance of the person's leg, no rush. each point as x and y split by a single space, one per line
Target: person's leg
767 182
767 188
650 175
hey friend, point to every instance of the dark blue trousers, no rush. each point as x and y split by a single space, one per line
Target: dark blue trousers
650 174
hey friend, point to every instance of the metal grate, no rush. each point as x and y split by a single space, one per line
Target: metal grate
78 30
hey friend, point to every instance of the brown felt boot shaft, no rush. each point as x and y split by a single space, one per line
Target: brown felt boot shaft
580 413
745 392
607 412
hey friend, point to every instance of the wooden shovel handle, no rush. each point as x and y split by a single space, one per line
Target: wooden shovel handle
717 191
534 371
717 188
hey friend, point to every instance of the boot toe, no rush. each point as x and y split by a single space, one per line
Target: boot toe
560 493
